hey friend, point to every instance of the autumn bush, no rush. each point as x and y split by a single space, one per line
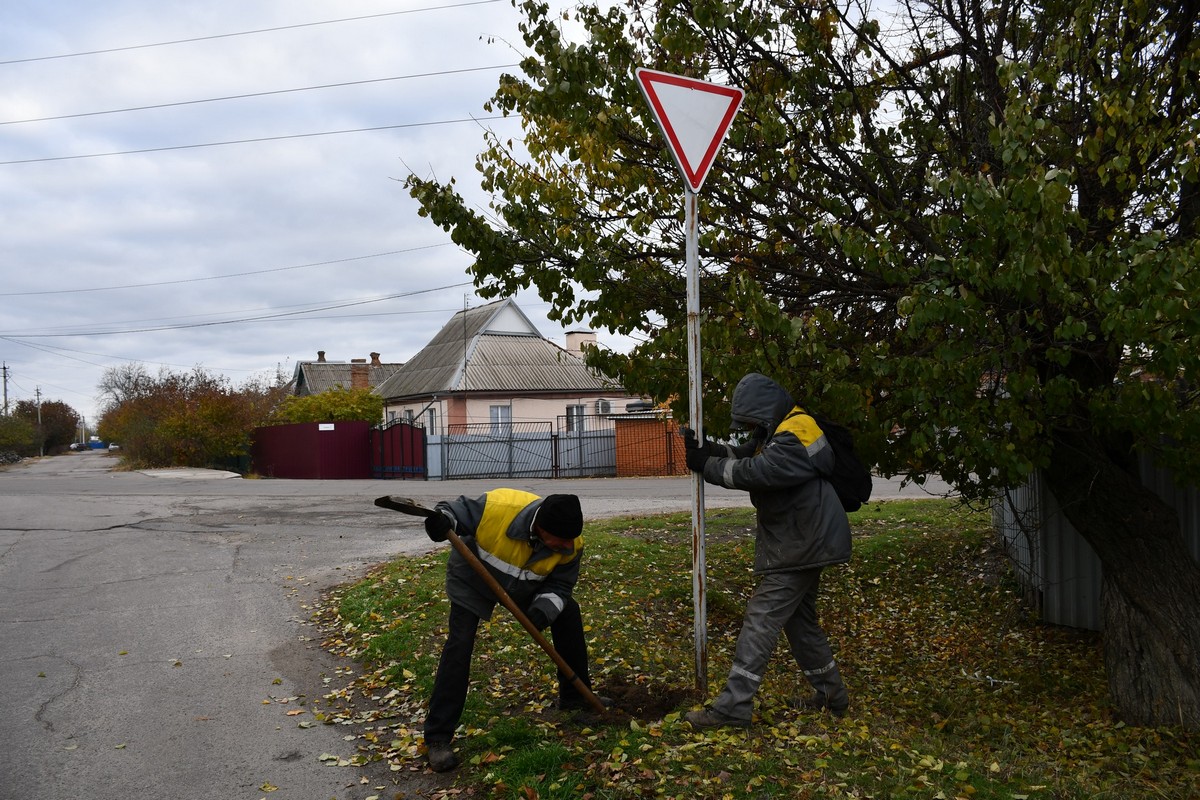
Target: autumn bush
193 419
957 690
18 437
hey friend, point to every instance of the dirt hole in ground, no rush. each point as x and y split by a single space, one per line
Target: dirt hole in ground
643 700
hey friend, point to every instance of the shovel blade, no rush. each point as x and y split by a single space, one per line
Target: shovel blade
404 505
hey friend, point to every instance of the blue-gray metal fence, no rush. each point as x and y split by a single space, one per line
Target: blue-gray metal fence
575 447
1057 567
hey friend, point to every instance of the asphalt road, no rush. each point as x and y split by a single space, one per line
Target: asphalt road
155 639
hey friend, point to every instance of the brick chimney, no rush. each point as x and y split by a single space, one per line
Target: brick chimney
359 375
375 362
320 356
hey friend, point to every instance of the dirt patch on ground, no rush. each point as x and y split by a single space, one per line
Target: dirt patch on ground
644 701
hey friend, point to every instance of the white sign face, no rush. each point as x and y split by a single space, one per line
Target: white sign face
695 116
324 426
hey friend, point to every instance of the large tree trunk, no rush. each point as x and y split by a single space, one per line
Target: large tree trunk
1150 597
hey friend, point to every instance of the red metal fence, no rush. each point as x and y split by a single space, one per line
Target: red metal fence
312 450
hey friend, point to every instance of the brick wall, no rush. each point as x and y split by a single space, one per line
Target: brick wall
648 446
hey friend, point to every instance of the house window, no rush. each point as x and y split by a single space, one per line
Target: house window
408 416
431 420
575 418
501 417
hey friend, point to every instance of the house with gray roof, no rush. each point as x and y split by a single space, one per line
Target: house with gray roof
314 377
490 365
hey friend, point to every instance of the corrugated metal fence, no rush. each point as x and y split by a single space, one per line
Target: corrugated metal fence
1059 570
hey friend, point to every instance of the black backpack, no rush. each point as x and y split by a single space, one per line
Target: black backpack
850 478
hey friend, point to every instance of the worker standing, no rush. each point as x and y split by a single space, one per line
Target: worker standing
802 528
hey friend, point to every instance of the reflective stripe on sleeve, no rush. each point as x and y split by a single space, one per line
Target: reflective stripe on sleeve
553 599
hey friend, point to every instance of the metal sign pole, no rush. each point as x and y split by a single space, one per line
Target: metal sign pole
696 415
695 116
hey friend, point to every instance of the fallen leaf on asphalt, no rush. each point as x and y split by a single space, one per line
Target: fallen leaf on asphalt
295 712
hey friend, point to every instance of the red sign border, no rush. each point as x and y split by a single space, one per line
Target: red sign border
646 79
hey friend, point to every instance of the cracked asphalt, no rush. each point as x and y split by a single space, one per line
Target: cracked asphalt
154 627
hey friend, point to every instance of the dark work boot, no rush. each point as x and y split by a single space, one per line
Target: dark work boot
441 756
829 691
711 718
818 702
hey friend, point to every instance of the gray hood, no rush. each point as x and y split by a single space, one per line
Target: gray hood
759 401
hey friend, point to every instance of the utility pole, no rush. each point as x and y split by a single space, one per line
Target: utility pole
41 434
4 369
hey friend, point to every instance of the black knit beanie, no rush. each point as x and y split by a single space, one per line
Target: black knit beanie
560 515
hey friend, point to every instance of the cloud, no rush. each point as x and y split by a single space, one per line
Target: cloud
149 242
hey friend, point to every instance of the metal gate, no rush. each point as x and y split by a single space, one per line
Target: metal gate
586 447
398 451
581 447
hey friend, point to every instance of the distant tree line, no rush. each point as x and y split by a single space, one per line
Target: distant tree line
30 431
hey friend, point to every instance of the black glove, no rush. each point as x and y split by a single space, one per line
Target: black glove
437 525
537 617
691 442
696 458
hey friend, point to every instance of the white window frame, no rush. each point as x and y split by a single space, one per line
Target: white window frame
575 418
501 419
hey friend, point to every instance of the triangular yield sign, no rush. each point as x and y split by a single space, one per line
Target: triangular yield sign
694 116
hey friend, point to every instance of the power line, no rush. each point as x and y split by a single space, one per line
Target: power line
259 318
244 33
256 94
221 277
252 141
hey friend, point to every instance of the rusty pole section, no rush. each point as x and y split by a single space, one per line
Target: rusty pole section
695 413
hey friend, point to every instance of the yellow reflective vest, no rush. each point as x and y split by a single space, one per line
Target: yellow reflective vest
498 529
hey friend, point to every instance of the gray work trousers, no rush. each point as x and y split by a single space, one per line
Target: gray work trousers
782 601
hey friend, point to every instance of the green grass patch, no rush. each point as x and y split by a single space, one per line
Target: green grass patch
956 691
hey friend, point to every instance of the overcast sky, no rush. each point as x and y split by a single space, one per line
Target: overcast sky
154 212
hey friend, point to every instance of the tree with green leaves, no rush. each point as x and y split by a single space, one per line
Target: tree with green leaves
333 405
17 436
968 229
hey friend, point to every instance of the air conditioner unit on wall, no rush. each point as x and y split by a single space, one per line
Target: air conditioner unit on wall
603 407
